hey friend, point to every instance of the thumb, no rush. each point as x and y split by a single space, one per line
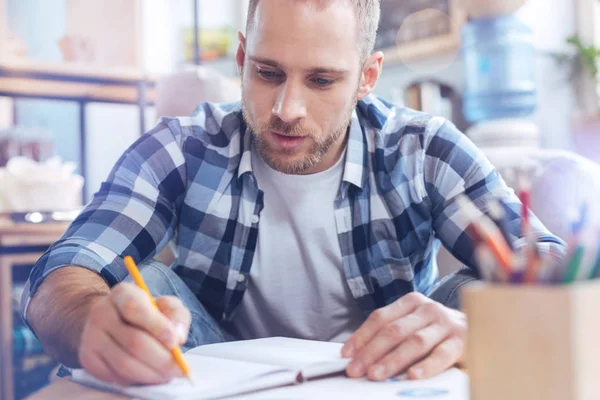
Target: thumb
177 313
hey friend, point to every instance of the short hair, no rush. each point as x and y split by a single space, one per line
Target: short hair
367 16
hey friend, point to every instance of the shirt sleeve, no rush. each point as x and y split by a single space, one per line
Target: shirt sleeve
134 213
453 165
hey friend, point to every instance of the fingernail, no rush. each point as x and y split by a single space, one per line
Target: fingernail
356 368
416 373
348 350
377 372
182 332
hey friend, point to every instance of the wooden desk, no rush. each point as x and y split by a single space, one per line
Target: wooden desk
65 389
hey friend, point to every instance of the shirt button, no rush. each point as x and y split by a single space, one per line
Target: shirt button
241 278
255 219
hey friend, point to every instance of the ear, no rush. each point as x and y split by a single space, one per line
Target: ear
370 74
240 56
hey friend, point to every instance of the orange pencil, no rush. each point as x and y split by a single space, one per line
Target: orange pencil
137 278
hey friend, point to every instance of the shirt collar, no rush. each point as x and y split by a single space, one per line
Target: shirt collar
246 158
355 168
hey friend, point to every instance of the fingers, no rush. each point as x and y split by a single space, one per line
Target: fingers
136 309
426 333
125 337
126 369
106 359
416 347
92 363
172 308
441 358
380 318
388 338
140 346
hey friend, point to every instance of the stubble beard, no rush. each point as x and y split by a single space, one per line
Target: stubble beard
279 160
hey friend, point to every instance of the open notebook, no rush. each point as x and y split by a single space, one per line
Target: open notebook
226 369
247 368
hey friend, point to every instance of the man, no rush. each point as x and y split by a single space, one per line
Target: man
309 210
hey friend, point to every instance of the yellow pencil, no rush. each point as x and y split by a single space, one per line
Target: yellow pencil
137 278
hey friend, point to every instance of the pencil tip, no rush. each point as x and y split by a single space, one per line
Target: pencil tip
190 380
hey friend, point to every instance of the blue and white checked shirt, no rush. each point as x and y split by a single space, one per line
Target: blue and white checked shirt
190 180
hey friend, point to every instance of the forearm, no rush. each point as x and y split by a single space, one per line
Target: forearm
58 310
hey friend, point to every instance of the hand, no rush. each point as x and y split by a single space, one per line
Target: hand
127 341
414 333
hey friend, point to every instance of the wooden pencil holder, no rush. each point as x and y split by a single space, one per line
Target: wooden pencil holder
531 342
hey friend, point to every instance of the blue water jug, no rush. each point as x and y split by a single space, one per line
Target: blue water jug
499 62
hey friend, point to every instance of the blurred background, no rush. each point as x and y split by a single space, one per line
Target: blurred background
80 80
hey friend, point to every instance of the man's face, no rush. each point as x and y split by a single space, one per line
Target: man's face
300 78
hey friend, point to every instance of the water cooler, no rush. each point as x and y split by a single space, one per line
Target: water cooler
499 63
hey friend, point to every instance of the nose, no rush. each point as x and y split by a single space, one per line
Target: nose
290 105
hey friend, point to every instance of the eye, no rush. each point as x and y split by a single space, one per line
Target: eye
268 75
323 82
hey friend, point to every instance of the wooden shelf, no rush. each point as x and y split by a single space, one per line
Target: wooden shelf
74 82
77 69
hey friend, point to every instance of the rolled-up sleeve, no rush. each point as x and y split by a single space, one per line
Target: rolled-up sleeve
134 213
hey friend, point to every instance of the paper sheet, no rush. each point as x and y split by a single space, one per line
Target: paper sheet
451 385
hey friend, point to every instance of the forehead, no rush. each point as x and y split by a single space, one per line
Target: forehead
305 34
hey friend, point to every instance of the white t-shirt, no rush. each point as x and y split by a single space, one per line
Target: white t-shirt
297 285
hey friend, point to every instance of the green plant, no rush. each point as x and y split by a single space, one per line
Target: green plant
587 56
584 67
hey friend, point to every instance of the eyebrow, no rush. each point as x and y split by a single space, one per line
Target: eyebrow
316 70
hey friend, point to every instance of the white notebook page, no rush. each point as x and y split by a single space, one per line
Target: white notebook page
212 377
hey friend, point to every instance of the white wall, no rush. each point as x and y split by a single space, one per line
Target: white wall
158 37
552 22
6 112
111 129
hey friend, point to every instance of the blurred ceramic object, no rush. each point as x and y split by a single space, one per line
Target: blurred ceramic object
490 8
179 93
76 49
26 185
565 184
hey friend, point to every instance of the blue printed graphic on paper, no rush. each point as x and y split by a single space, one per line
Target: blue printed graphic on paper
422 393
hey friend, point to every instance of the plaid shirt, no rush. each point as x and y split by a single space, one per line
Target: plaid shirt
190 180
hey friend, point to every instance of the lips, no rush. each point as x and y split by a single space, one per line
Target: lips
288 142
